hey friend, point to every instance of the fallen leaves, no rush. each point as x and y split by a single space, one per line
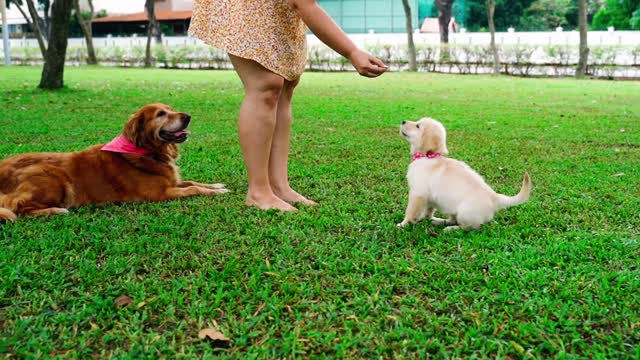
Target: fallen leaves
259 309
123 300
218 338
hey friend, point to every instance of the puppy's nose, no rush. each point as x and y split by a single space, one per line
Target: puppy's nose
403 122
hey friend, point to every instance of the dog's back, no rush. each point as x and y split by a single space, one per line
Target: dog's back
32 179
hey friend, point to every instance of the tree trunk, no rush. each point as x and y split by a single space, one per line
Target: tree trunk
491 9
86 30
36 23
584 50
53 70
152 30
411 46
46 23
444 17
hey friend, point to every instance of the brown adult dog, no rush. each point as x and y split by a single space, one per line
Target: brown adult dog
49 183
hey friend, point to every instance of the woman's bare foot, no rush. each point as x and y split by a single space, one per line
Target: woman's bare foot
291 196
268 201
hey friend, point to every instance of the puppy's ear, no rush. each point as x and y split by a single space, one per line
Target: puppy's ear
134 129
434 142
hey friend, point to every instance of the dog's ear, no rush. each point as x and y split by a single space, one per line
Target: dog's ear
434 141
134 129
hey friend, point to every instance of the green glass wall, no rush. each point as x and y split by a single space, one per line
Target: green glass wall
384 16
360 16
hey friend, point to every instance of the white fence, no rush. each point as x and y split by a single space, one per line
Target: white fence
626 38
614 54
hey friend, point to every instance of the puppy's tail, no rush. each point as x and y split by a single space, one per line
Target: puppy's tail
507 201
6 214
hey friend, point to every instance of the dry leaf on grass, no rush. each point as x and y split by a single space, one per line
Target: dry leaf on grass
143 303
259 309
215 336
123 300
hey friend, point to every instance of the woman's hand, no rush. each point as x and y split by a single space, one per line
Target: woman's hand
330 33
366 64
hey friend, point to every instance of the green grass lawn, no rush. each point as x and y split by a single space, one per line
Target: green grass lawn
557 276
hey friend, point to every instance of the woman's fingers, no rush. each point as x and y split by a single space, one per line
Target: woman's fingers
378 62
374 70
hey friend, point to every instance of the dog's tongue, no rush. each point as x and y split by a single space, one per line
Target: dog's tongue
181 132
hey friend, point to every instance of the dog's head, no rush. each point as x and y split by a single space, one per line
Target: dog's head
425 135
157 125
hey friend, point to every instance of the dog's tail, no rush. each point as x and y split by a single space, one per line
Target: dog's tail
507 201
5 213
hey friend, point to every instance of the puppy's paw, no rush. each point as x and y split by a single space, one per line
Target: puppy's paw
438 221
402 224
451 228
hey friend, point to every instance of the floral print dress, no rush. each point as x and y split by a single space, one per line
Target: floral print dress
269 32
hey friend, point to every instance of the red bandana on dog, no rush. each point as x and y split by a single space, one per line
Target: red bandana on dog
122 145
429 155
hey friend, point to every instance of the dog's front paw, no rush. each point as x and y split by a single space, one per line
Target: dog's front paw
211 192
402 224
216 186
438 221
221 191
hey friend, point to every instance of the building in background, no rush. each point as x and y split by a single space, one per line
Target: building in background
363 16
127 17
385 16
174 17
17 24
354 16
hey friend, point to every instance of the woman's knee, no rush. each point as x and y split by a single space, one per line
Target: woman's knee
268 89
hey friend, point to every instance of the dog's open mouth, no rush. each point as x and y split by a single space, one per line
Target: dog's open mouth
403 133
175 136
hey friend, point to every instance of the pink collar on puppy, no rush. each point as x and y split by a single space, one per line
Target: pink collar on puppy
124 146
428 155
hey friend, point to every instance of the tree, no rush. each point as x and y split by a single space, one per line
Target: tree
38 27
411 46
511 14
85 26
545 15
491 9
444 17
584 50
635 20
53 70
616 13
153 30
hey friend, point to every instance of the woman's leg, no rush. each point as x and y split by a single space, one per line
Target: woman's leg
278 163
256 126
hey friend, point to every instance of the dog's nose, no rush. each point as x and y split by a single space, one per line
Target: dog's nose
186 118
404 122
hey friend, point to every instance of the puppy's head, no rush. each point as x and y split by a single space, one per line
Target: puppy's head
425 135
156 125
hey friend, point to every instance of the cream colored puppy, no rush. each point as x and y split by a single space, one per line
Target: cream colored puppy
447 185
